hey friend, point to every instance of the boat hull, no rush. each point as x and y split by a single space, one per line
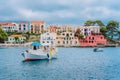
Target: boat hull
31 57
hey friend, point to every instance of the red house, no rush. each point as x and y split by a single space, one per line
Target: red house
93 40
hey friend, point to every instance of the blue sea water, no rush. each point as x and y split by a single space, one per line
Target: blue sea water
70 64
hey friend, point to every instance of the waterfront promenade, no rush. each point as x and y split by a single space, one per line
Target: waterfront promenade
29 43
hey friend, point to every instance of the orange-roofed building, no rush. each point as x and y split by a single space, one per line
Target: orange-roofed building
52 29
8 26
20 38
37 26
67 39
65 28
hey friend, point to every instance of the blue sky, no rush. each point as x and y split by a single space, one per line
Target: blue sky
73 12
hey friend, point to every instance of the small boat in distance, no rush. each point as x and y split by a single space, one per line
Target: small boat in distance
97 49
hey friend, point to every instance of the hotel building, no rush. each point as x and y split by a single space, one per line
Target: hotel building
8 26
37 27
52 29
87 30
48 38
65 28
67 39
93 40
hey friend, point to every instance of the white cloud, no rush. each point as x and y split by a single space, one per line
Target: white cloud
66 10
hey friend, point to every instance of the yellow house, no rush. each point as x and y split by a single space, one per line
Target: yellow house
67 39
37 27
65 28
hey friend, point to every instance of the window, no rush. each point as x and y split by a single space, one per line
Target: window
70 38
71 34
20 25
67 42
43 41
42 26
67 35
85 29
101 37
51 42
47 41
71 42
24 25
47 33
63 34
89 38
19 28
75 42
58 42
63 42
31 26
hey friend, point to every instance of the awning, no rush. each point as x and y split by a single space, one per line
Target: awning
36 44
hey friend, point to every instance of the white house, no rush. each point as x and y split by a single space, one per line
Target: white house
48 38
87 30
8 26
20 38
22 27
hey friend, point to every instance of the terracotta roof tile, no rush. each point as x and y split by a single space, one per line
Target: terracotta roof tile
37 22
7 24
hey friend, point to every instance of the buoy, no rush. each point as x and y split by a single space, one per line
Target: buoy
51 54
55 50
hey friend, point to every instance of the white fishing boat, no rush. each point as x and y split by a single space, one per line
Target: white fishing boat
44 50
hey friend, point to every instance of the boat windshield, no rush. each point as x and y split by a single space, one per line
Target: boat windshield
35 47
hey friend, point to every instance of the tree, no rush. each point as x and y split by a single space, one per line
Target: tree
94 23
27 35
16 39
112 28
118 33
89 23
99 23
103 30
80 36
77 32
3 36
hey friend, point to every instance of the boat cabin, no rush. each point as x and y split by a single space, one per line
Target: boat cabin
45 47
35 45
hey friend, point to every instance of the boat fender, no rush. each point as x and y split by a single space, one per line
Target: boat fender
27 51
48 55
